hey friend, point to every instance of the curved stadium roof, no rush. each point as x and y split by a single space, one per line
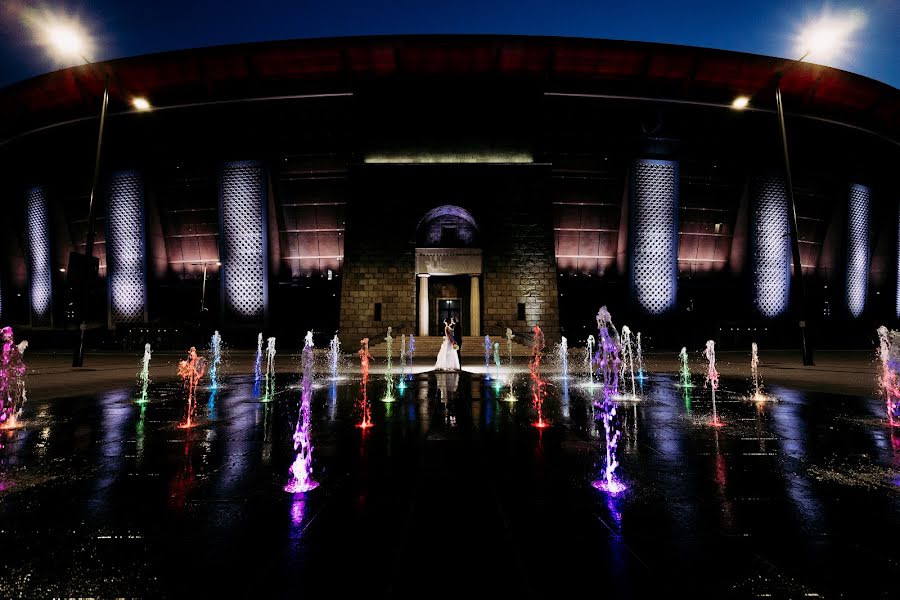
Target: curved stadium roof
555 65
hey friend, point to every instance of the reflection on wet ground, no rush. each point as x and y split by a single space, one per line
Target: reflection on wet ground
451 493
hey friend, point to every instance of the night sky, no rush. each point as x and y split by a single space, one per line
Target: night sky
127 28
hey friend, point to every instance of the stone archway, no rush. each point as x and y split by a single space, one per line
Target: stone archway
447 244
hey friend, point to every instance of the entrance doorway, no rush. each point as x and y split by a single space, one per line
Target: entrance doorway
446 308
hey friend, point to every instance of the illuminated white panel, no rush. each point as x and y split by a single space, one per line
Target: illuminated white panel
126 259
654 234
857 249
242 204
40 288
474 156
771 246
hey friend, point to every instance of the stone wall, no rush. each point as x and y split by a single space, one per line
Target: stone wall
515 222
520 266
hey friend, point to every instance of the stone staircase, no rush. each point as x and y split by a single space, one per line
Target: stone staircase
473 348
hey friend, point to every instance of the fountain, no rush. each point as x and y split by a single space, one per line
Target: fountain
628 358
537 384
487 357
608 360
334 355
301 470
607 357
511 395
712 378
215 360
685 380
257 365
412 351
191 371
270 370
365 408
754 373
640 360
497 384
389 374
589 359
889 353
390 355
402 385
563 353
145 374
12 380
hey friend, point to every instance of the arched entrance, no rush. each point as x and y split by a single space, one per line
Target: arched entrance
448 268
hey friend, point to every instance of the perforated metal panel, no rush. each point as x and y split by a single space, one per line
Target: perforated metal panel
125 255
243 240
770 241
857 248
654 234
41 285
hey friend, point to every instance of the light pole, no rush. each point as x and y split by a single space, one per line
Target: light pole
205 264
88 263
66 41
806 350
820 38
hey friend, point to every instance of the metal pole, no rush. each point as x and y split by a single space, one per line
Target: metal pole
805 347
78 359
203 293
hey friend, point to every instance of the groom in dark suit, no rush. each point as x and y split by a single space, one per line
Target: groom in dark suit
457 335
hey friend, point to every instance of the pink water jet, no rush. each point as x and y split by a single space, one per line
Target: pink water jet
364 406
538 385
191 371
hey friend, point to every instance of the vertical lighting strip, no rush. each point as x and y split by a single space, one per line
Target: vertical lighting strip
126 258
242 214
857 248
40 284
897 306
654 234
770 240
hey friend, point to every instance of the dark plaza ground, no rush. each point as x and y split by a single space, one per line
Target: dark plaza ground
452 493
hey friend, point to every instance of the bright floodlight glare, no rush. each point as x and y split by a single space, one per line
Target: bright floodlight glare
66 40
140 103
740 103
828 37
63 36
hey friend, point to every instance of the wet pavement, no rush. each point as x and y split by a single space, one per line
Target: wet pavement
452 493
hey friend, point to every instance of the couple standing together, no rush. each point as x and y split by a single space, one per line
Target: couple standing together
448 357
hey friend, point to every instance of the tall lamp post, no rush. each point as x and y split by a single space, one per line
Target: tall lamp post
66 41
819 39
205 264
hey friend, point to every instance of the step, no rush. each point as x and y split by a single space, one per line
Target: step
431 345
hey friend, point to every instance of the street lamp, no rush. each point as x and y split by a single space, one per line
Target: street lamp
205 263
66 40
822 39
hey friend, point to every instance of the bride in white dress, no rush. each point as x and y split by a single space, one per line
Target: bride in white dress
447 358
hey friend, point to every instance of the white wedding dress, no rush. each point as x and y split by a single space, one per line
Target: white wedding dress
447 358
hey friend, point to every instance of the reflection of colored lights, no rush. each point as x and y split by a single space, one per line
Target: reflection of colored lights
298 508
510 397
717 423
541 424
612 486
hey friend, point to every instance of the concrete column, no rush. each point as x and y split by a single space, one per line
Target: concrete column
423 304
474 307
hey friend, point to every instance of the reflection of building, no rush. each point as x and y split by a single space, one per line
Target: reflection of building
358 183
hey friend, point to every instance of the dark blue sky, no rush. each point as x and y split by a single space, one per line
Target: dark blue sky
130 27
